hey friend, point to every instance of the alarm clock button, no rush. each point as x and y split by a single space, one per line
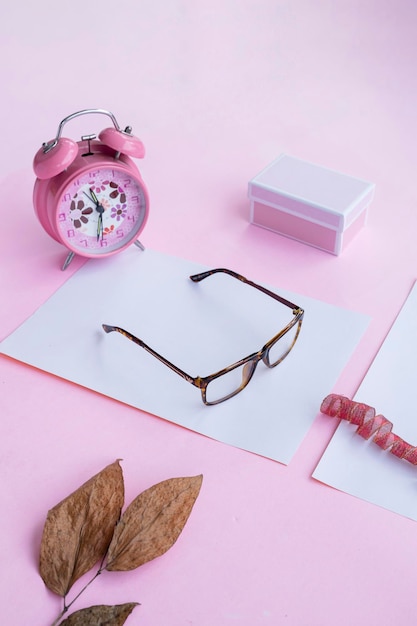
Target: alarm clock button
122 142
49 164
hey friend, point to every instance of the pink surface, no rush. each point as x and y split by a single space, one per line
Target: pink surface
215 91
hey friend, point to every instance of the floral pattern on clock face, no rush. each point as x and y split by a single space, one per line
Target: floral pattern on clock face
101 211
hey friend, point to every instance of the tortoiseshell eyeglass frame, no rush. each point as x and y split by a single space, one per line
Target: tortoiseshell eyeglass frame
250 362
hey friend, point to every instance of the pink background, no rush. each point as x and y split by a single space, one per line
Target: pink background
216 90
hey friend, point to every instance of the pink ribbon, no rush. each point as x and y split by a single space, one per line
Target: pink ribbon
369 425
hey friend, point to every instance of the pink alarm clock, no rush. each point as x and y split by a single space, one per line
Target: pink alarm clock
89 194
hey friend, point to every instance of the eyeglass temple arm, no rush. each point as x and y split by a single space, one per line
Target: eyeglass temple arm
108 329
197 277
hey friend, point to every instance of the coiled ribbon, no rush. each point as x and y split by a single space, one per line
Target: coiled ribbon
370 425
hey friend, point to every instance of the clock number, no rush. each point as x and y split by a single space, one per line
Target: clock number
120 233
84 242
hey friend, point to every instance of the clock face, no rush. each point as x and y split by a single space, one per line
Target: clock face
101 211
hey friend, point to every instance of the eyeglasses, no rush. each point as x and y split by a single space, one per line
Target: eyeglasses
231 380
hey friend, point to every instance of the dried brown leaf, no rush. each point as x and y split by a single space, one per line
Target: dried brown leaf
79 529
101 615
152 523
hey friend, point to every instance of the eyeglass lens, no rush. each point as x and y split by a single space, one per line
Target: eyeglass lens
279 350
230 383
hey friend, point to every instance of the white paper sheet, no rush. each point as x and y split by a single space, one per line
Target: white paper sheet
201 328
359 467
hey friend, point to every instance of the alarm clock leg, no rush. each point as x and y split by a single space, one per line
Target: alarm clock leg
68 260
139 244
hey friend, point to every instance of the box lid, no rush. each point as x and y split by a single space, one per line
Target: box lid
319 194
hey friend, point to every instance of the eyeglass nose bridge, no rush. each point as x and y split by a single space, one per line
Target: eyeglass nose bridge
248 370
265 354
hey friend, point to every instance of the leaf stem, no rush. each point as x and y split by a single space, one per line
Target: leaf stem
68 606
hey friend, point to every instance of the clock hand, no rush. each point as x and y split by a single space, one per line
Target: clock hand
99 209
93 197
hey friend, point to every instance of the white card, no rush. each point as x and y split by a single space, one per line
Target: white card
201 328
361 468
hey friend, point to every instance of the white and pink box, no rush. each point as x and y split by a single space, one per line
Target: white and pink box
309 203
